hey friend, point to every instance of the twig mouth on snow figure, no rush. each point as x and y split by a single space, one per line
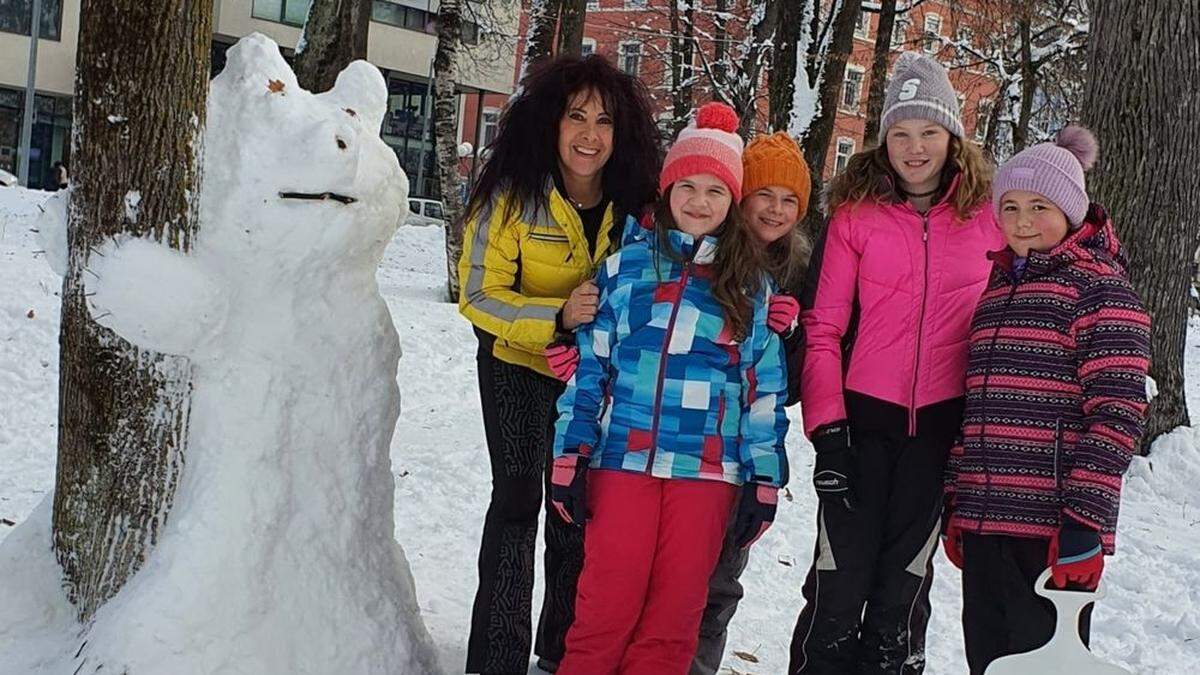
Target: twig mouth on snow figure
318 196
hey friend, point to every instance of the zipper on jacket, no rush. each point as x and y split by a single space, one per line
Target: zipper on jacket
662 367
1058 481
987 374
912 408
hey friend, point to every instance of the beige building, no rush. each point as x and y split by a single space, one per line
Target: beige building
401 43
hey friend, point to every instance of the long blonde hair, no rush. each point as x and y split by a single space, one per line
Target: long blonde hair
869 175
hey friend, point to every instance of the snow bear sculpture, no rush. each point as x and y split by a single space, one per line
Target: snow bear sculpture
279 554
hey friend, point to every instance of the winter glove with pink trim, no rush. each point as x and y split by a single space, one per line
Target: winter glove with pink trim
1075 555
782 313
568 486
563 359
755 513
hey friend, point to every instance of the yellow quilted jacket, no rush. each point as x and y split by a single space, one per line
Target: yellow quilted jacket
516 272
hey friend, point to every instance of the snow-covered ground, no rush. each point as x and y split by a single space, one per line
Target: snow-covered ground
1150 623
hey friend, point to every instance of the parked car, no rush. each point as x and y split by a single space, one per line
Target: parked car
425 212
7 179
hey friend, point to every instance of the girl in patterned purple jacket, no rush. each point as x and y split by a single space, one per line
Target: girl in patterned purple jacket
1056 401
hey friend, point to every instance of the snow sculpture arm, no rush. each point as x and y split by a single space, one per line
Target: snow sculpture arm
52 231
153 296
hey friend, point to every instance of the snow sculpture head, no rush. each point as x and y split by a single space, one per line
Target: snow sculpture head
266 136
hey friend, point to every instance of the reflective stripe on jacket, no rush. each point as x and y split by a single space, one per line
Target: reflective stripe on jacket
517 270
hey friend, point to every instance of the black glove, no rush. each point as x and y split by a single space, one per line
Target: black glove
755 513
568 488
836 465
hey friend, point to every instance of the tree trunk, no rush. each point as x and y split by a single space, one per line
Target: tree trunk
335 33
445 125
683 47
781 80
879 69
1020 134
123 411
816 139
720 65
539 36
765 17
1141 105
570 27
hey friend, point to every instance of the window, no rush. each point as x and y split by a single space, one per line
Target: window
635 4
900 32
862 26
593 4
393 14
16 16
845 148
588 48
291 12
491 123
433 210
933 32
852 88
983 115
414 207
630 59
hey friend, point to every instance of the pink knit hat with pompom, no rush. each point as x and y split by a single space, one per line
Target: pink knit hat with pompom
1053 170
709 145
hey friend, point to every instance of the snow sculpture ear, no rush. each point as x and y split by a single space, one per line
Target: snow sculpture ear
255 66
361 91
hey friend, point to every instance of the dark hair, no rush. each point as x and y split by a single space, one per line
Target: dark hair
737 268
525 151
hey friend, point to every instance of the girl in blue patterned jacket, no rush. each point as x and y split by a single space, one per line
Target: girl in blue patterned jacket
678 400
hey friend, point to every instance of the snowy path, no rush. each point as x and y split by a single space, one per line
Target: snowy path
1150 623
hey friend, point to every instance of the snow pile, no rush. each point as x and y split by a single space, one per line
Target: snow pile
279 554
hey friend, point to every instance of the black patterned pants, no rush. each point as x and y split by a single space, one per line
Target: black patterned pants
518 418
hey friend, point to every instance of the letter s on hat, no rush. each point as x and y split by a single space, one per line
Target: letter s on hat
908 90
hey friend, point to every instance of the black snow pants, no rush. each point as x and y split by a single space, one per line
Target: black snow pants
518 415
1002 614
867 592
724 592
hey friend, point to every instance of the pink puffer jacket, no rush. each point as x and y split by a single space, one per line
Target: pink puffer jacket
914 281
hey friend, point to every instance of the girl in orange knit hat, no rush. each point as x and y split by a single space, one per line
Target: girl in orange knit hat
775 191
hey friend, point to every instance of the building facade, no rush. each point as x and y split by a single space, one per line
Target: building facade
401 42
636 36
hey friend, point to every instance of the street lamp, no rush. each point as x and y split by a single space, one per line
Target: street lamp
26 145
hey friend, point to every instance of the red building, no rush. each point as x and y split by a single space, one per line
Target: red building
636 36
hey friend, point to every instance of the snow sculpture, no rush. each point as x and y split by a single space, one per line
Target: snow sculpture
278 555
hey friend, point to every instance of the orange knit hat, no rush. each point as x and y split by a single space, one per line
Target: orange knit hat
776 160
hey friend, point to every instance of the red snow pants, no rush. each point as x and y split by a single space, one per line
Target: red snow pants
649 549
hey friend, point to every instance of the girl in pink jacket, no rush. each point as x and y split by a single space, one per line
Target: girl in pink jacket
887 310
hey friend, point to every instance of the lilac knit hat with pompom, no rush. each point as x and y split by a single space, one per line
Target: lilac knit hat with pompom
1053 170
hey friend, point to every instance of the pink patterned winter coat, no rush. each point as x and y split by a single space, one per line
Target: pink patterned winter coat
1056 391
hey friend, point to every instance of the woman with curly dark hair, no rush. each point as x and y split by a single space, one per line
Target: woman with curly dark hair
577 151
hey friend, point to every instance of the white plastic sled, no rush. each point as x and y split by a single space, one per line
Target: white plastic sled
1065 653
